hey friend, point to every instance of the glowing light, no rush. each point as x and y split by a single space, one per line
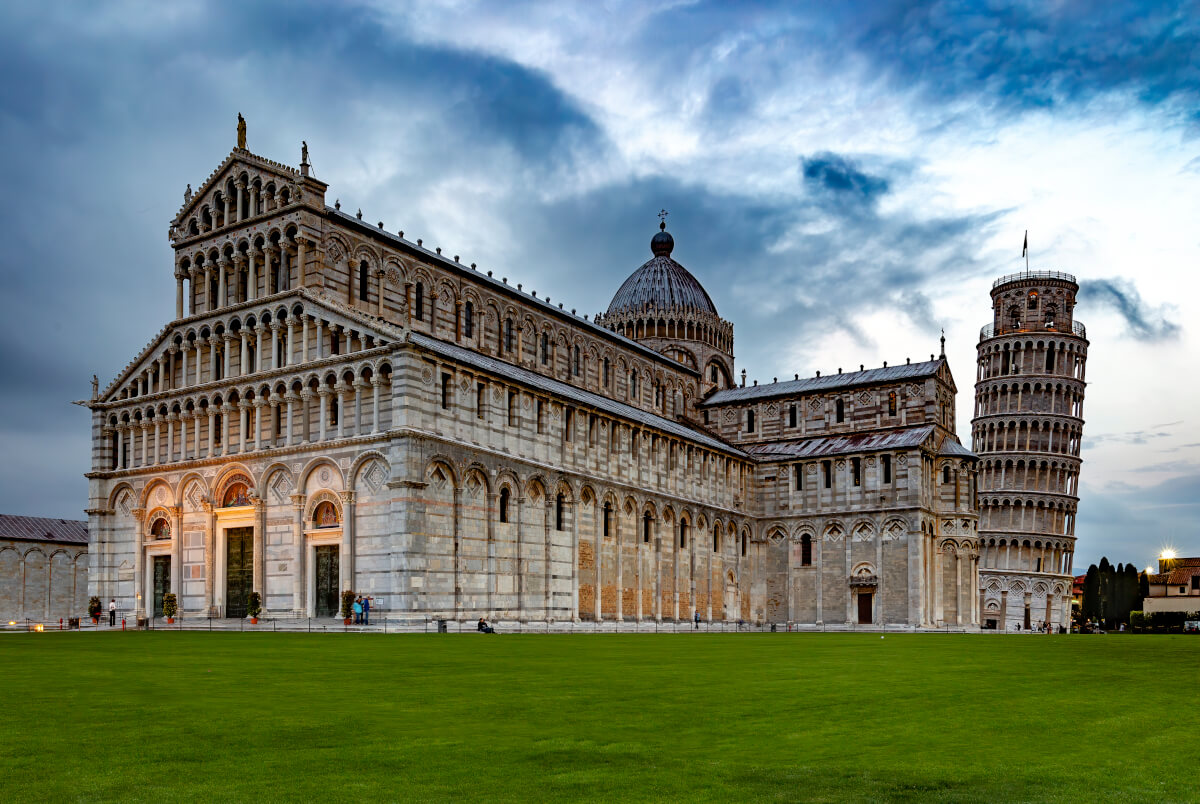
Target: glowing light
39 627
1167 553
1149 570
12 622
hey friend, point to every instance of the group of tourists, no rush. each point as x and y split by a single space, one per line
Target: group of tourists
362 610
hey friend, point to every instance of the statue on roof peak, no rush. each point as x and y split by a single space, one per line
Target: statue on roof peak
241 132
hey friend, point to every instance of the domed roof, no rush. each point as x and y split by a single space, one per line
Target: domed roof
661 284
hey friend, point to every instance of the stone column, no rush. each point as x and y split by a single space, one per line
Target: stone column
157 434
347 557
139 563
259 580
222 288
275 345
243 354
301 242
358 386
183 374
322 413
243 409
253 200
251 274
339 389
210 548
258 406
379 284
177 553
547 520
657 578
171 419
300 574
211 432
179 295
376 382
305 429
241 199
145 443
288 343
287 437
303 339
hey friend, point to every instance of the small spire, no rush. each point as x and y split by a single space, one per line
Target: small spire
943 342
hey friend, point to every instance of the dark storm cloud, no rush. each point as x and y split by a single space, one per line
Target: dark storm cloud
1142 322
841 176
1035 55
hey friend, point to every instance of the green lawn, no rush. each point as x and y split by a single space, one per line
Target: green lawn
168 716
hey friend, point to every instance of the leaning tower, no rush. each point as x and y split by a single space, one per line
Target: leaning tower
1027 429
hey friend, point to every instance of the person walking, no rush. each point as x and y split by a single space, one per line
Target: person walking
366 607
696 616
358 611
112 612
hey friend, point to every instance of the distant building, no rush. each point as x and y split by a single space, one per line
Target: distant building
43 568
1175 587
1077 590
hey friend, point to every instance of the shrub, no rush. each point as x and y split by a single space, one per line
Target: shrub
94 607
170 607
347 605
254 607
1137 620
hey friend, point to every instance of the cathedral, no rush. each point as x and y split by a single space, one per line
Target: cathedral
334 407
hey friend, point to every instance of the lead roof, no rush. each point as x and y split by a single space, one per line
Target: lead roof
853 379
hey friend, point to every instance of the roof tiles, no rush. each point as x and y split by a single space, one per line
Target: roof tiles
43 529
909 371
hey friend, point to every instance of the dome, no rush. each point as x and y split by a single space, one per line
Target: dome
661 284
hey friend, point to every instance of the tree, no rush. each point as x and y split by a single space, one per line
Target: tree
1134 588
1091 594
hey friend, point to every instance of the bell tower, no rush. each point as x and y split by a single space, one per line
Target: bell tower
1027 429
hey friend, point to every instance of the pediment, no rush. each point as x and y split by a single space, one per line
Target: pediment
233 318
254 171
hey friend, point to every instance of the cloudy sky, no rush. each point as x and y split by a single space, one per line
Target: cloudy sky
845 184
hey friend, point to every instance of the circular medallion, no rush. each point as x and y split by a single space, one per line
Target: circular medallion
325 475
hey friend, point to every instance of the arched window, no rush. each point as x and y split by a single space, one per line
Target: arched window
806 550
469 320
480 401
945 474
607 520
419 307
840 411
716 540
749 421
508 335
744 544
558 512
646 528
545 348
607 367
504 504
362 280
161 529
236 494
1033 299
1050 358
683 533
575 361
325 515
892 403
713 373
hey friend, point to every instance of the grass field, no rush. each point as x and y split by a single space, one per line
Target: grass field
826 717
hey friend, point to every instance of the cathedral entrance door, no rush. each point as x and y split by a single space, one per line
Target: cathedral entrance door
162 582
864 608
326 593
239 570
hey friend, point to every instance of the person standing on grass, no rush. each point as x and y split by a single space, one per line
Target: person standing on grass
366 607
358 610
112 612
696 616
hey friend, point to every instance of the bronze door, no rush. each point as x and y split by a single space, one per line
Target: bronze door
239 570
162 582
326 593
